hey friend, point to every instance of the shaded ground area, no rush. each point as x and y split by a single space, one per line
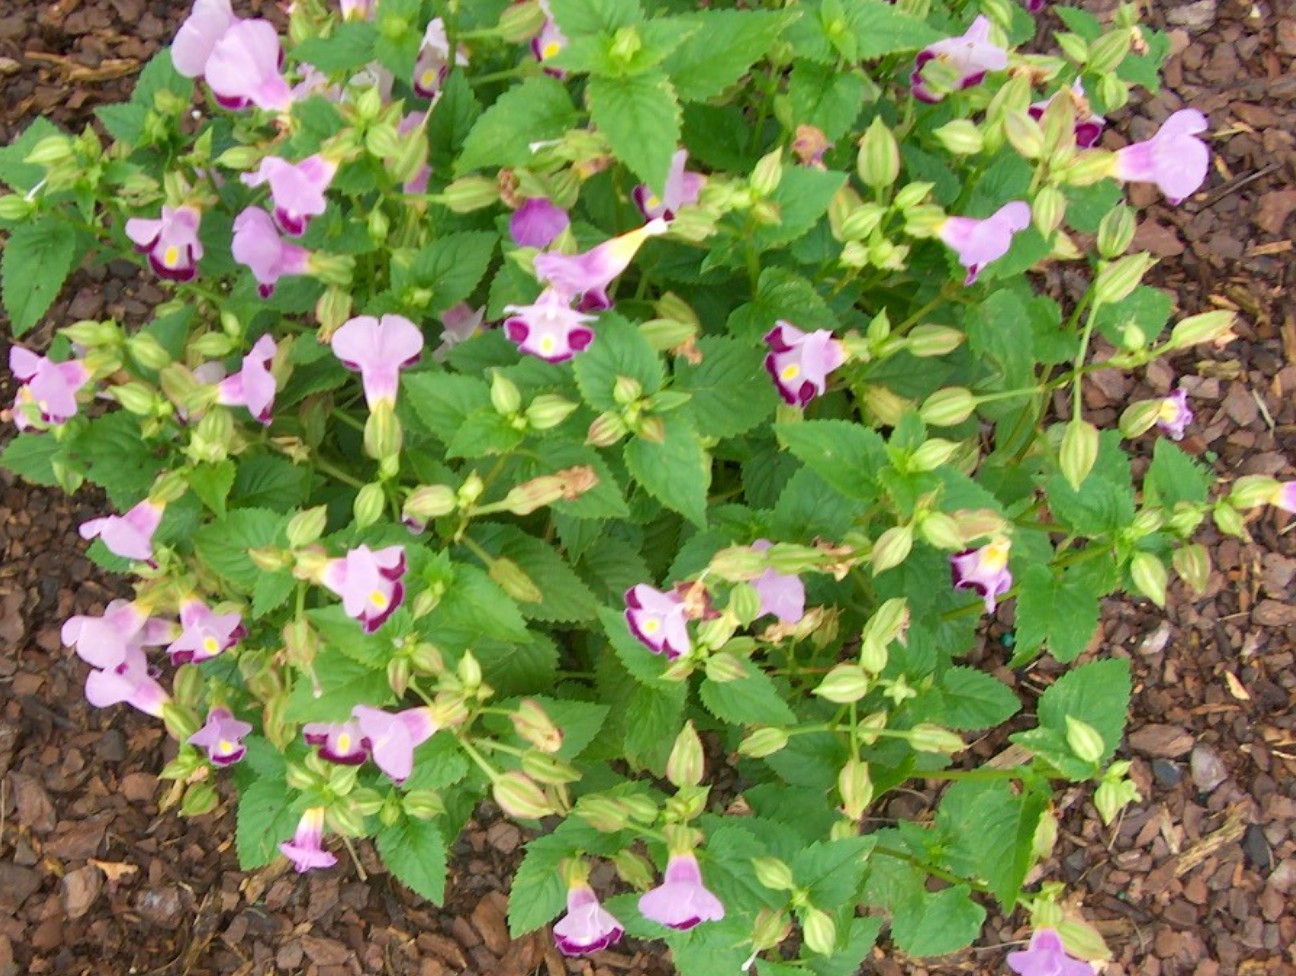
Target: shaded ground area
1196 879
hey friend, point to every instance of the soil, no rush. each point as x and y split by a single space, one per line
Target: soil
1194 880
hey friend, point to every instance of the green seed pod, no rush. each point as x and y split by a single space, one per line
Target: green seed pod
763 742
1084 740
892 548
844 684
878 159
1078 452
369 503
1150 577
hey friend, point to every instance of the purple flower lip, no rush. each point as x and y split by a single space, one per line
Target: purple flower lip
681 901
971 55
587 926
338 742
658 620
222 737
984 570
799 362
549 328
1047 956
980 242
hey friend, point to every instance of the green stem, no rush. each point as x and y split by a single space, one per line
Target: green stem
330 469
479 759
931 869
1081 356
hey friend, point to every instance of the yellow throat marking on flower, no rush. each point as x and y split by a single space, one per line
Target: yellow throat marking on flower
344 743
549 50
211 645
651 625
790 372
379 599
428 78
1169 411
995 556
652 203
171 256
547 345
225 747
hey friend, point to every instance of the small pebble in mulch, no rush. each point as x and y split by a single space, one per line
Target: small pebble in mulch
1167 773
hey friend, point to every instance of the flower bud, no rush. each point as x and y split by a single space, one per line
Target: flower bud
147 351
1106 53
933 454
399 672
1252 490
1025 134
270 559
199 798
685 765
427 502
892 548
1139 417
135 398
426 659
332 310
819 931
663 334
1229 521
1120 277
93 334
50 150
181 721
504 394
634 870
961 137
518 795
940 531
470 193
606 430
1073 46
1078 452
932 340
744 602
1084 740
422 804
369 503
856 788
1206 327
878 160
1116 231
866 730
306 527
16 207
924 221
844 684
884 405
768 173
533 725
926 737
535 494
763 742
948 407
1087 168
548 769
514 581
1192 562
382 434
1150 577
548 410
773 873
1048 209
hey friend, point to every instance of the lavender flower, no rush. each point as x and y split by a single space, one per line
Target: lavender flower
537 223
222 737
1175 415
391 739
682 188
585 277
369 583
304 849
197 37
204 634
780 593
253 386
681 901
171 242
338 742
978 242
1088 126
1284 497
1047 957
658 620
1174 159
243 68
549 41
587 926
47 390
296 188
130 681
799 362
984 570
102 642
378 349
549 327
971 55
129 536
458 324
433 62
257 244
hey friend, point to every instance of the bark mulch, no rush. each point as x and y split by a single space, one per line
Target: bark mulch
1195 880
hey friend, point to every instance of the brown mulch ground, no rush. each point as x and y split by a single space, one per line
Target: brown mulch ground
1196 879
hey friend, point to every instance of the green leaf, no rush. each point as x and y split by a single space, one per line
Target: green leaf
881 29
612 566
38 257
999 330
844 454
538 893
720 52
125 122
566 598
972 699
515 668
577 17
271 592
1105 502
349 48
473 606
730 389
831 870
266 481
676 472
415 852
654 716
826 98
344 634
212 484
32 457
223 545
453 117
808 506
1097 693
451 266
1062 613
439 763
483 433
264 819
923 923
345 684
991 830
619 349
537 110
1146 309
604 501
802 197
751 700
14 172
112 454
1174 477
640 118
442 401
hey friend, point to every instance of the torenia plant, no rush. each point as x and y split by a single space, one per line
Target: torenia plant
628 414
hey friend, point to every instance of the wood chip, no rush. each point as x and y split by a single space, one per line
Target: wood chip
1234 827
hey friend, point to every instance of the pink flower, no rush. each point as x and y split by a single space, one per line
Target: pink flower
780 593
1088 127
548 43
296 188
253 386
586 276
984 570
129 536
587 926
171 242
102 642
799 362
304 849
681 901
658 620
358 9
682 188
1047 957
537 223
338 742
1174 159
1284 497
222 737
549 327
204 634
1175 415
369 583
391 739
47 390
243 68
197 37
257 244
978 242
378 349
433 62
458 324
970 55
129 681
